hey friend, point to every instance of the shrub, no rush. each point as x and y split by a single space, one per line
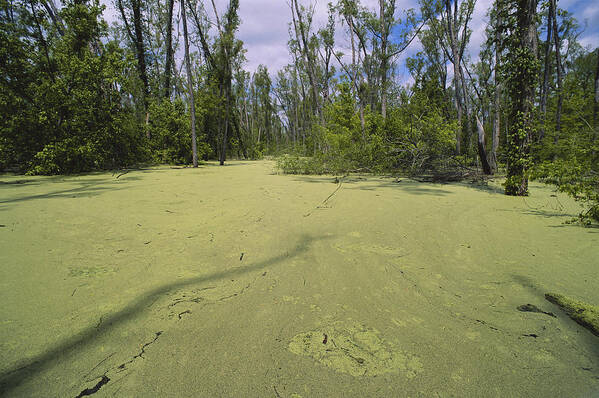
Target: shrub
170 132
294 164
576 178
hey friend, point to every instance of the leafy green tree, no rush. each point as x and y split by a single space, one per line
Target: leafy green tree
571 163
63 105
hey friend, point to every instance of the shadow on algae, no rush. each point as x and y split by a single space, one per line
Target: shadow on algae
14 377
85 188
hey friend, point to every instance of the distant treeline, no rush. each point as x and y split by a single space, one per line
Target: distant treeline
78 95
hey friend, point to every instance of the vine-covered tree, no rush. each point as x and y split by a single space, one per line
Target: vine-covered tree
521 69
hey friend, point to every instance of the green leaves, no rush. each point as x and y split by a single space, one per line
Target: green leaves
576 177
171 132
61 106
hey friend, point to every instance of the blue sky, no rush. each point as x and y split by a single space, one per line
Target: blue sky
264 28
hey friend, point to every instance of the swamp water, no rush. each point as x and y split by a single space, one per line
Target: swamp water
238 282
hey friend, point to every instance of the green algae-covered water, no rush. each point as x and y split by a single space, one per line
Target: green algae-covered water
237 282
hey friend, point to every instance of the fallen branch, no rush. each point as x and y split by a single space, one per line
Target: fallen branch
324 202
122 174
584 314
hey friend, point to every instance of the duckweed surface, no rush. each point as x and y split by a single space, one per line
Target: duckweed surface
354 349
224 281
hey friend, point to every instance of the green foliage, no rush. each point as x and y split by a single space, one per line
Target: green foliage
518 155
72 102
343 139
68 116
401 141
420 137
257 151
295 164
170 132
575 177
342 143
71 98
570 160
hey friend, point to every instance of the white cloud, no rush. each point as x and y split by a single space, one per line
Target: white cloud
264 31
478 24
591 12
590 41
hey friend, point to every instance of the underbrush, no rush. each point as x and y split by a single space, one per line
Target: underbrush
295 164
577 179
449 170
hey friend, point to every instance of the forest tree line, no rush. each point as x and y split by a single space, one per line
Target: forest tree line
166 83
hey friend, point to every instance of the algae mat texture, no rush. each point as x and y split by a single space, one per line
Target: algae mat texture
237 282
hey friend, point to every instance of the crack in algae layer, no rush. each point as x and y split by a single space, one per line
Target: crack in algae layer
356 350
142 352
104 379
90 391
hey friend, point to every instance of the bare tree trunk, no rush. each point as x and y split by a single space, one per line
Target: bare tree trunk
546 70
223 152
384 58
482 152
141 55
54 15
310 64
192 107
596 106
169 49
559 68
466 113
296 112
457 78
497 115
355 85
205 46
350 22
217 17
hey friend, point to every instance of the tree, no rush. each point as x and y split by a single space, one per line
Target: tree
61 107
192 107
386 11
452 30
497 98
546 68
559 69
168 69
137 38
302 23
520 33
229 49
596 103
